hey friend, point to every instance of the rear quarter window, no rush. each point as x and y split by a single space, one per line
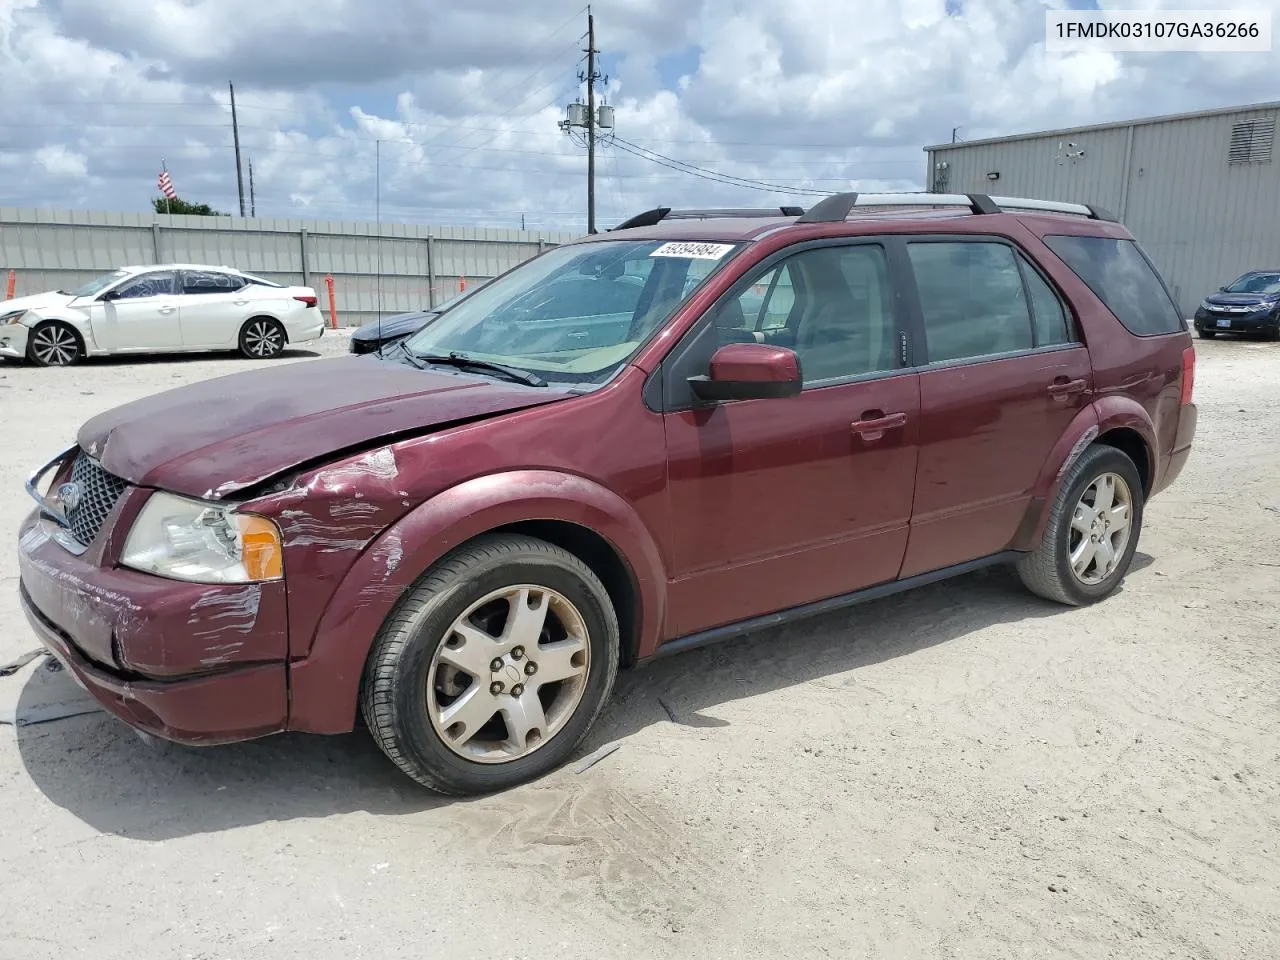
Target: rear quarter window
1121 277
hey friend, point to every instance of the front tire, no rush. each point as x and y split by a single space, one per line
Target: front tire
493 668
262 338
54 344
1092 532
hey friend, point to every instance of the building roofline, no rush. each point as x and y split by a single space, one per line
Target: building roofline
1117 124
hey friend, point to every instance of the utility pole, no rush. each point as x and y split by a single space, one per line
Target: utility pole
235 133
591 126
253 201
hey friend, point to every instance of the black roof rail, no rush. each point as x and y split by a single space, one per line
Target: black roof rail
651 217
836 208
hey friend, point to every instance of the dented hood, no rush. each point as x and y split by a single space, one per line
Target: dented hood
214 438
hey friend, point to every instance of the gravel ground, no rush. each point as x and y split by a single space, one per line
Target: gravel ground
958 772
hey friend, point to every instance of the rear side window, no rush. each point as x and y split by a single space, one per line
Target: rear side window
1122 278
1051 323
207 281
971 298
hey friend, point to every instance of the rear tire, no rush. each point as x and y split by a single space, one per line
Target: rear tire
466 699
54 344
262 338
1207 334
1081 559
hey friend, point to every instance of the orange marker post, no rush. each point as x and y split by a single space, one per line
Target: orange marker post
11 286
333 307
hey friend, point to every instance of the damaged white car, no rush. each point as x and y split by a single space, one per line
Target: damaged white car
167 308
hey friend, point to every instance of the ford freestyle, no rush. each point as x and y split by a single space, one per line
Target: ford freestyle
750 416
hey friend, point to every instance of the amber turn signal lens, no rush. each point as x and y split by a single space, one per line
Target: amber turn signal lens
262 553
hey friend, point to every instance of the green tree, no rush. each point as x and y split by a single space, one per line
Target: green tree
180 206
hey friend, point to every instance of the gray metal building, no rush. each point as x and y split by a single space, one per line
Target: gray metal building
1199 191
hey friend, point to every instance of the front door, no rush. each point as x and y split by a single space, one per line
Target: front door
142 313
1005 376
780 502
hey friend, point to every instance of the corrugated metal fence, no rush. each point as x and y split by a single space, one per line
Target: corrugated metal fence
388 268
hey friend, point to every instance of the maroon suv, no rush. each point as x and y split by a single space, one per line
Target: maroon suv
637 443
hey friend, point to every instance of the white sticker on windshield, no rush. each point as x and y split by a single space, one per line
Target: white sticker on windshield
693 251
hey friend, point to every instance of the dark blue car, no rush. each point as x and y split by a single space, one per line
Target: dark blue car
374 335
1249 305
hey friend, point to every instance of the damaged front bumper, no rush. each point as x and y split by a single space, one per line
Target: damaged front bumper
193 663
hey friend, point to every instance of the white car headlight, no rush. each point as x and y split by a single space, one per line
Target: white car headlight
13 316
203 542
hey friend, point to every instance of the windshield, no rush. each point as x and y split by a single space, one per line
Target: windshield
1256 283
98 284
578 312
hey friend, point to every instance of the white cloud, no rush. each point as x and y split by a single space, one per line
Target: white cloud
811 95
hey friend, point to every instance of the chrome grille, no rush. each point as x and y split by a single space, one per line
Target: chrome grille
99 492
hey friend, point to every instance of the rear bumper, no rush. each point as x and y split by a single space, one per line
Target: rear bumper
307 326
1187 421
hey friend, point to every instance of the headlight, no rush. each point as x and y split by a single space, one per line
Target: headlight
1206 305
13 316
203 542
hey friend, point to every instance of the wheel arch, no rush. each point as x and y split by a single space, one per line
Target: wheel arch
77 322
1118 422
574 512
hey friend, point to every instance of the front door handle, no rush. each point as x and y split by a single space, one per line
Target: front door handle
1062 388
874 423
167 310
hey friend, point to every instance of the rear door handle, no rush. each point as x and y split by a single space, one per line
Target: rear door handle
241 303
1065 388
874 423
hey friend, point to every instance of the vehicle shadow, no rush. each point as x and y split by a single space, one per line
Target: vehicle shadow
134 359
101 772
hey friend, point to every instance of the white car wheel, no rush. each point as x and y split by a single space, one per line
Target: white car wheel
262 338
54 344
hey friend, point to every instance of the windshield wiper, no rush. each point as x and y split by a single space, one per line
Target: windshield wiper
455 358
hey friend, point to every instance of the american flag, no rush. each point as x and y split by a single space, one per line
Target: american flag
166 185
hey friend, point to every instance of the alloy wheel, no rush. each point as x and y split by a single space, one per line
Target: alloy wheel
54 346
509 674
1100 528
263 339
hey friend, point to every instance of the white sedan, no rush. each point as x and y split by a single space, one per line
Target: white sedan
160 309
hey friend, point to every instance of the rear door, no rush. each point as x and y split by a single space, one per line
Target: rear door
780 502
1004 374
141 313
214 306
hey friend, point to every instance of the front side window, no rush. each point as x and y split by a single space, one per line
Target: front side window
578 312
1121 277
159 283
831 305
971 298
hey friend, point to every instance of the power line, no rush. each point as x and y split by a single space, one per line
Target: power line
706 174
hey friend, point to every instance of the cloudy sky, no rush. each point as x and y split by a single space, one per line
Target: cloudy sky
804 95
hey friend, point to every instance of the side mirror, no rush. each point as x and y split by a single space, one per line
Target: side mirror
110 295
749 371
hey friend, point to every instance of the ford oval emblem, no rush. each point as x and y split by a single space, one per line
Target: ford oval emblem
69 496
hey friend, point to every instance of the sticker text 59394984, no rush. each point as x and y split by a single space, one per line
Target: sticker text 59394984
693 250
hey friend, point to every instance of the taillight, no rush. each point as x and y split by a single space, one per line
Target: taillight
1188 374
309 301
